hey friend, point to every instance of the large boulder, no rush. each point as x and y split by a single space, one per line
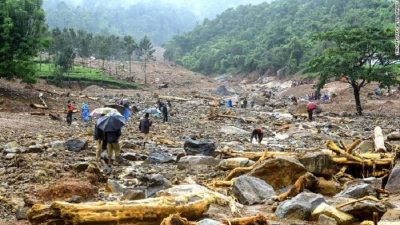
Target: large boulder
160 157
341 218
76 144
223 91
251 190
300 207
279 172
393 182
193 147
193 161
319 164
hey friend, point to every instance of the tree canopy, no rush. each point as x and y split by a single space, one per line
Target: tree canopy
21 38
271 36
362 55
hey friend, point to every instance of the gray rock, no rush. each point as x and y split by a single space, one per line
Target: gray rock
76 145
251 190
80 167
76 199
21 213
319 164
160 157
375 182
129 156
364 210
208 222
35 149
393 136
114 186
326 220
223 91
155 184
57 145
300 207
191 161
193 147
357 191
393 182
131 194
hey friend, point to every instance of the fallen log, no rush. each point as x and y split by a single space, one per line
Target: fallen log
379 140
170 97
252 155
38 106
37 113
358 200
239 170
141 212
251 220
55 116
206 97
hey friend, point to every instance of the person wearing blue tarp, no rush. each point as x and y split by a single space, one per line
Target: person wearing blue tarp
127 113
85 112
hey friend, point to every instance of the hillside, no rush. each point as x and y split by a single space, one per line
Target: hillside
272 36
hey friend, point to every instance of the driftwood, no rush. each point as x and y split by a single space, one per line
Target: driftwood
38 106
297 188
358 200
176 219
251 155
51 92
251 220
38 113
239 170
146 211
43 102
351 159
284 127
379 140
170 97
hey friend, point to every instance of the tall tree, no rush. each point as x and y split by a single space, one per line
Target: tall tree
145 53
363 55
21 32
130 46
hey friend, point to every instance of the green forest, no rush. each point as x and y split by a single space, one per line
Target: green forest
157 19
272 36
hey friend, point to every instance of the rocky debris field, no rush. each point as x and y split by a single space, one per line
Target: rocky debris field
200 167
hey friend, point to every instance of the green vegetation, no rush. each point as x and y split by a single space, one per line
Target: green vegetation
82 75
21 29
362 55
272 36
157 19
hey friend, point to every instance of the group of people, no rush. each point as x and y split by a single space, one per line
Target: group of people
314 96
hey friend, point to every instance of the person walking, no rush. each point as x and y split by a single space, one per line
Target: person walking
258 134
85 112
70 109
165 113
144 127
245 103
101 142
113 146
252 103
310 108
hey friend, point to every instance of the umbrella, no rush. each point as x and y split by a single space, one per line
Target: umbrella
111 122
99 111
152 111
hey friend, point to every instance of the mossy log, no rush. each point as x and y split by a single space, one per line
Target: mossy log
146 211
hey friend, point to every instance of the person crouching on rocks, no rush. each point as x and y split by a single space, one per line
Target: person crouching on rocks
258 134
310 108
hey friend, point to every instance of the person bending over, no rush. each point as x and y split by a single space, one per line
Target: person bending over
258 134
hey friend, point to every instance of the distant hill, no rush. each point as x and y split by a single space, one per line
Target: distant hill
158 19
271 36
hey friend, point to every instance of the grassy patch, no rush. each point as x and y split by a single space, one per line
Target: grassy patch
81 75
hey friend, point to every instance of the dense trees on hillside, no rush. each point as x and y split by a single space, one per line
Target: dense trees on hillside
273 35
21 29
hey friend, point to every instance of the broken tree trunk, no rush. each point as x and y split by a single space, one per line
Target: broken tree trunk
259 220
38 113
379 140
297 188
146 211
239 170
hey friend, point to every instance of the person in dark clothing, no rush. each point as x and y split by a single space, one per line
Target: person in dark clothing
252 103
159 104
169 103
101 142
258 134
245 103
144 127
164 110
113 145
70 109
